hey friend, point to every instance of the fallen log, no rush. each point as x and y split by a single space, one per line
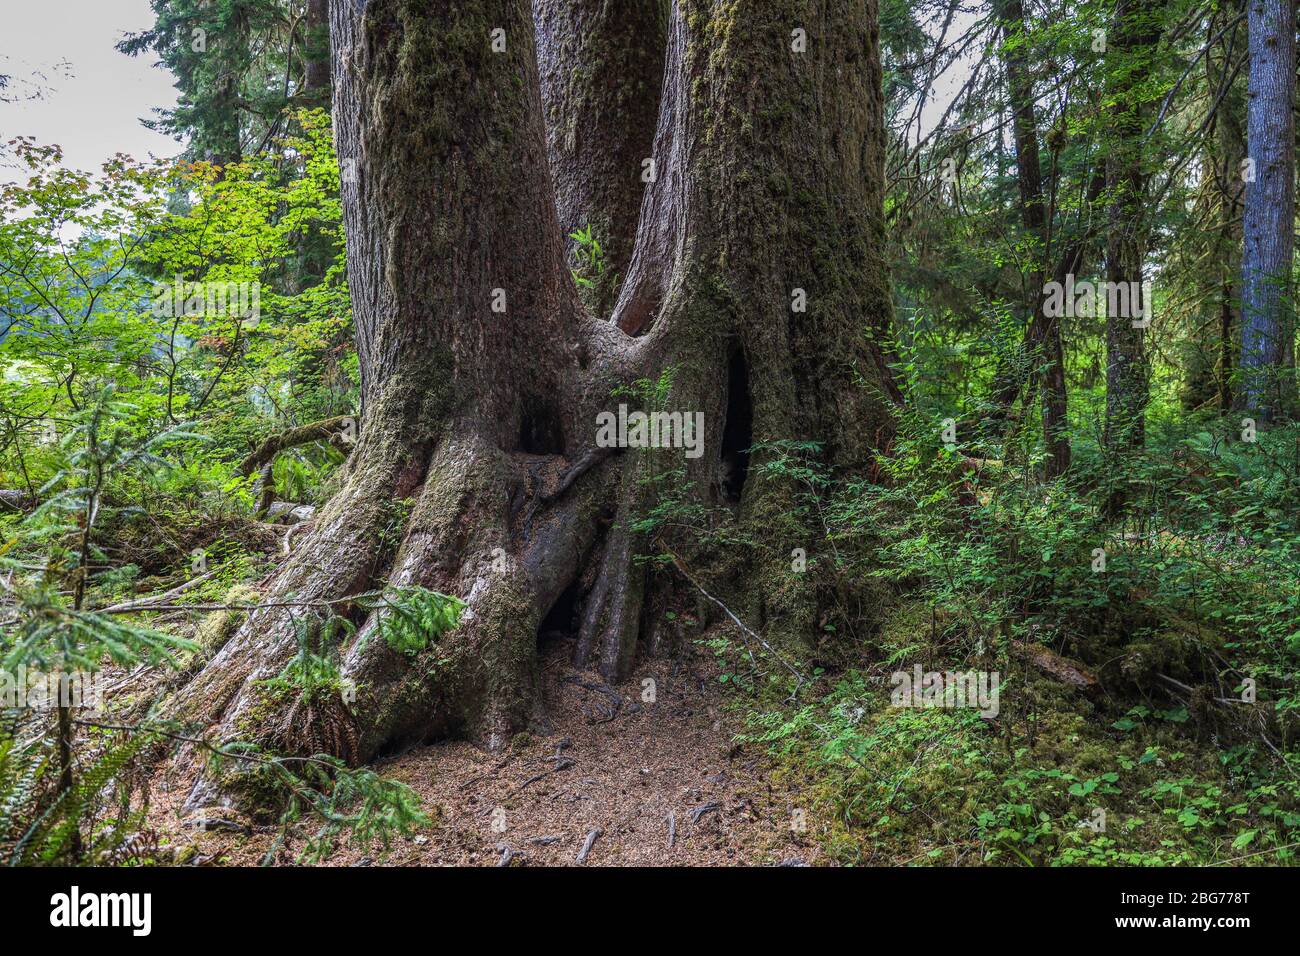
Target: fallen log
1059 668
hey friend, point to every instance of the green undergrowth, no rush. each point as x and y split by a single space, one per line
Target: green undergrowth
1055 779
1180 748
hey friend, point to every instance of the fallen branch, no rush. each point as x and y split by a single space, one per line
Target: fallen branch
699 811
563 763
616 702
1056 666
144 602
328 429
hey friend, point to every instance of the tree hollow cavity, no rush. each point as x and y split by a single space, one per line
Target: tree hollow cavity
737 431
564 617
540 431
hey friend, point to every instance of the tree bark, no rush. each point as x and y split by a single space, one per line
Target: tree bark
1267 332
316 54
770 184
1212 344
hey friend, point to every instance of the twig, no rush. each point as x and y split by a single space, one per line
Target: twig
703 809
677 562
563 763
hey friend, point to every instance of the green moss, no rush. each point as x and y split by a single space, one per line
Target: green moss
218 627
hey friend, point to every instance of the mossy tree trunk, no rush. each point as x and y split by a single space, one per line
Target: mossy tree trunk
1136 32
768 154
1212 344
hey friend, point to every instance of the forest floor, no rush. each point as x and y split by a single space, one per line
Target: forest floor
661 784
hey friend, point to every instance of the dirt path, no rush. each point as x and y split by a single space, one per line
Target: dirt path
658 781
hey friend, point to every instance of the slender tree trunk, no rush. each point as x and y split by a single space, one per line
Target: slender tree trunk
757 289
1267 332
1044 338
1213 343
225 143
1134 37
316 54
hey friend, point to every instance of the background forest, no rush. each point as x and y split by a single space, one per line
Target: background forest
1094 495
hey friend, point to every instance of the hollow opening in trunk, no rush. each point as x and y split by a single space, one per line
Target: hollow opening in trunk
563 619
737 431
540 432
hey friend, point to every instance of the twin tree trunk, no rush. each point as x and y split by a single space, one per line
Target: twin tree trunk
477 471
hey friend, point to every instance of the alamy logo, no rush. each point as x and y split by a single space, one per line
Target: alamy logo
36 690
181 299
1125 300
103 909
948 689
651 430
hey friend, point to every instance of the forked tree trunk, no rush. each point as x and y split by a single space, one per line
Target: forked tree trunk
767 194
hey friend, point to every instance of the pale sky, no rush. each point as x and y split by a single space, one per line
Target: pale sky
98 96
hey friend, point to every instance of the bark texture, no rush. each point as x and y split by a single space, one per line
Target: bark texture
1214 338
477 471
1267 332
316 56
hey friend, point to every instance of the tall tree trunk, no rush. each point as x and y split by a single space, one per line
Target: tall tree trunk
1044 337
1267 332
224 142
316 54
1135 35
602 66
1213 343
768 195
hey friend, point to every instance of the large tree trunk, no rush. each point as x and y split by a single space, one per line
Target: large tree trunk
1267 335
768 193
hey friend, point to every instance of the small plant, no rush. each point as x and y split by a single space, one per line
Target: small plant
589 258
413 617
